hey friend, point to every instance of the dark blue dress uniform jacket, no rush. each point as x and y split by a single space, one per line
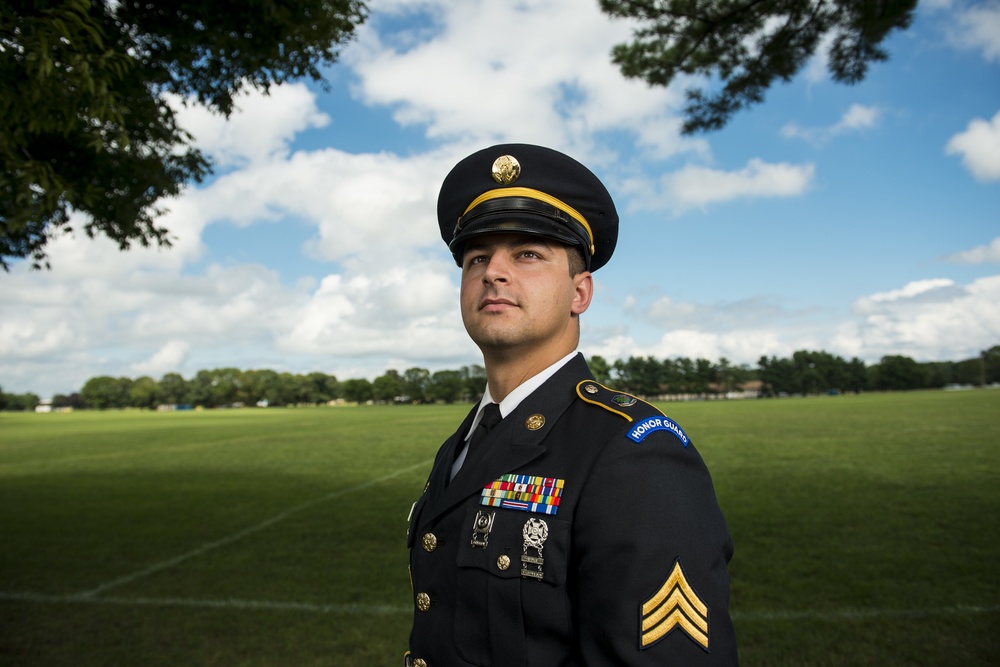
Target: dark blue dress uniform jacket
635 561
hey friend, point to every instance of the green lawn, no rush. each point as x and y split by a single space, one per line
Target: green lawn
867 531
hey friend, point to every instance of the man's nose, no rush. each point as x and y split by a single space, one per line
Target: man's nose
497 270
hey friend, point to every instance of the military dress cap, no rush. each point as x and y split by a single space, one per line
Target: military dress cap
520 188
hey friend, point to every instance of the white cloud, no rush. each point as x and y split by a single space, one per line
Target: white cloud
411 313
496 72
944 322
857 117
978 27
260 128
909 291
170 357
934 319
979 147
696 187
369 203
979 255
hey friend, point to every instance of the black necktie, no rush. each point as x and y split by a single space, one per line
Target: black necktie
490 418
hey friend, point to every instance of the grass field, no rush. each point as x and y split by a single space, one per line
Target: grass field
867 531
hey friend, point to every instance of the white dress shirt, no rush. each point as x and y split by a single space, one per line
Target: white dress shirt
509 404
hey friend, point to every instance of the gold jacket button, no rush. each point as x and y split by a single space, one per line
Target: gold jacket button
423 602
503 562
430 542
419 662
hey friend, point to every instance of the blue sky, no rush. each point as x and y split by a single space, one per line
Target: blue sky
860 220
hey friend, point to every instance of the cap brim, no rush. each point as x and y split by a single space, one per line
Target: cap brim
514 223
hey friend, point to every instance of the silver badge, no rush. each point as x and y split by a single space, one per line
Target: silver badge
481 528
535 532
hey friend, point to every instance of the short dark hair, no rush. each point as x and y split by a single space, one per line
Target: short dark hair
577 262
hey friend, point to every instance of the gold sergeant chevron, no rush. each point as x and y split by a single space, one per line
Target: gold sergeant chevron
674 605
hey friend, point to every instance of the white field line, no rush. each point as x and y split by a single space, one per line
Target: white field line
230 603
152 569
387 609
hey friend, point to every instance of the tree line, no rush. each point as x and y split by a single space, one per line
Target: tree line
804 373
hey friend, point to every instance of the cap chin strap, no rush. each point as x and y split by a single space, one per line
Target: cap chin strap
530 200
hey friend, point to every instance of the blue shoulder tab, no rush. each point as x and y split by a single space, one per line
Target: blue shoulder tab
657 423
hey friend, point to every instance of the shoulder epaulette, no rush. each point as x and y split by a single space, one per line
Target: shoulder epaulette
642 423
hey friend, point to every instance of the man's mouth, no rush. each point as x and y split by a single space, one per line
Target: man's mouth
494 304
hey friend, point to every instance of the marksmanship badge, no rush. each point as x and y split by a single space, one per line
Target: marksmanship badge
481 528
535 532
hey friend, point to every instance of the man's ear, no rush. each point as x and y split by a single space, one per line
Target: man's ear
583 291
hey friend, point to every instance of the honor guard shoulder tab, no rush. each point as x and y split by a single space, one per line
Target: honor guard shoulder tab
643 417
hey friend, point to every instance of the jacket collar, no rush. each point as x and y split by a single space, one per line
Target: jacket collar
516 441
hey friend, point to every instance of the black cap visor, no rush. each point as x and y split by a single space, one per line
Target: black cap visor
519 215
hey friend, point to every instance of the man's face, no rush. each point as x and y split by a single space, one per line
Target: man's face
517 294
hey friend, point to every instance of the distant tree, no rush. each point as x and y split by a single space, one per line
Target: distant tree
968 371
601 369
356 390
73 401
324 388
897 372
991 364
105 392
262 385
388 386
200 388
445 386
778 376
725 375
18 402
174 389
144 392
473 382
748 45
415 383
638 375
87 122
857 376
704 375
683 376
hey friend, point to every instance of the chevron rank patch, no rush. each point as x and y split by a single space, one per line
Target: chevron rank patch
657 423
526 493
674 606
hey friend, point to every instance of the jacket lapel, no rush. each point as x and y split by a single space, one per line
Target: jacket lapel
515 441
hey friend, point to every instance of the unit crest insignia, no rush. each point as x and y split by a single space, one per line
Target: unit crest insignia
506 169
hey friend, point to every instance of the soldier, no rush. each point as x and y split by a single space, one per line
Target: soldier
564 523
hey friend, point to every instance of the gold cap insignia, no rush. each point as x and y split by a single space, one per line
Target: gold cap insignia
506 169
675 605
534 422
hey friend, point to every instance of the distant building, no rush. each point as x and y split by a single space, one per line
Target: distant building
44 405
